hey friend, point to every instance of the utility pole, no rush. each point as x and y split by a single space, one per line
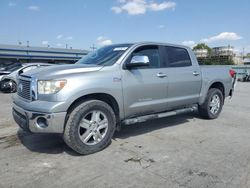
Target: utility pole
93 48
28 43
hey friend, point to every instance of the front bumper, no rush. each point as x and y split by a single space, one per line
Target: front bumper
37 122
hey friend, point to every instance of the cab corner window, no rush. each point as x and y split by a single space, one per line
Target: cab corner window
178 57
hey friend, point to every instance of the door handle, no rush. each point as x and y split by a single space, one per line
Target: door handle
161 75
196 73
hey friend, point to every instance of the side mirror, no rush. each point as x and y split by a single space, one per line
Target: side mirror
138 61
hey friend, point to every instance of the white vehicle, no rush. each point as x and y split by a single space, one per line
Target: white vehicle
8 83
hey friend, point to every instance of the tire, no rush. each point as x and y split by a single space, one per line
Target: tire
87 119
1 83
13 87
206 110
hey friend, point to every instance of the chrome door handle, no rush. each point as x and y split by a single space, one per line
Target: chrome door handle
161 75
196 73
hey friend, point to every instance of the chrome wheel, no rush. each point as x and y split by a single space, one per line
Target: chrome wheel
215 103
93 127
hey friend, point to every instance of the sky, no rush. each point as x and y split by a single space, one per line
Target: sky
81 24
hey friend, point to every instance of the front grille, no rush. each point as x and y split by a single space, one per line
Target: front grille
24 87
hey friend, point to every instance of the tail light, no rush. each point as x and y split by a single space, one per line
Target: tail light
232 73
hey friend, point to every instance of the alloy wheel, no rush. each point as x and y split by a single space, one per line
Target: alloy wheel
93 127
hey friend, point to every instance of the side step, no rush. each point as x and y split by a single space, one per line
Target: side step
159 115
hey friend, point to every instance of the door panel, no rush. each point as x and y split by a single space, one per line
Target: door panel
144 92
145 88
184 79
183 86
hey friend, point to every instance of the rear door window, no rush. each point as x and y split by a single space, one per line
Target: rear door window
177 57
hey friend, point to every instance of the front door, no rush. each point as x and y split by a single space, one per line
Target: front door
145 88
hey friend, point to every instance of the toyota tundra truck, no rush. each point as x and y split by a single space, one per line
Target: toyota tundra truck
116 85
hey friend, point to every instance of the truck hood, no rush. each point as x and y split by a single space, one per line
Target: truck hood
56 71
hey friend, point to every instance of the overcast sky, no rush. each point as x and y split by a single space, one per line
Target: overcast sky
81 23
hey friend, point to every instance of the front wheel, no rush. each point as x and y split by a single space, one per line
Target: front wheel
212 106
13 87
90 127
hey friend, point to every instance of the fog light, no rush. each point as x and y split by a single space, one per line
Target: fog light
42 122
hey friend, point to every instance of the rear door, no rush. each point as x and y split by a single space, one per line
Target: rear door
145 88
184 79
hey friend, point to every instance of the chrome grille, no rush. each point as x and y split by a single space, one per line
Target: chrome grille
24 89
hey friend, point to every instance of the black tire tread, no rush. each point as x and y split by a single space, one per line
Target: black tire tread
203 109
69 136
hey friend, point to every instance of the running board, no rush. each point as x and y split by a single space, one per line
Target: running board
159 115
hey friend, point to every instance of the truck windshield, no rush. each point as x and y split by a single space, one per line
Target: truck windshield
105 56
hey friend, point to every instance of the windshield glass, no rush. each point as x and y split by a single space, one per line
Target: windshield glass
105 56
12 69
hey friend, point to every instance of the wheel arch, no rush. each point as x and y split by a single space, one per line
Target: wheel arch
220 86
109 99
8 79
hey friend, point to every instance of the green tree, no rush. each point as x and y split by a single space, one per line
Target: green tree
202 46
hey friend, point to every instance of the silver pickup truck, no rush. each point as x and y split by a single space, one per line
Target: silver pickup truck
114 85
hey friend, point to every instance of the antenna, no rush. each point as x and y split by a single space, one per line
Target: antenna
93 48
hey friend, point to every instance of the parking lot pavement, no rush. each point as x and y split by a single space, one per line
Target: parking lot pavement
180 151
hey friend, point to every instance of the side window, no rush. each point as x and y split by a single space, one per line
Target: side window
178 57
153 55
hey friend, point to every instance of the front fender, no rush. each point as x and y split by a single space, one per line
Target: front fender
116 94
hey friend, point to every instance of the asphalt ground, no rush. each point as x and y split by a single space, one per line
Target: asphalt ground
180 151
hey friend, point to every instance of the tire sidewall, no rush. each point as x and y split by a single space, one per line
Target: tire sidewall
13 87
81 113
214 92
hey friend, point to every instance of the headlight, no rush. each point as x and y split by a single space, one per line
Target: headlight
50 86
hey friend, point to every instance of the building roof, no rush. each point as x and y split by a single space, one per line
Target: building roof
41 49
39 53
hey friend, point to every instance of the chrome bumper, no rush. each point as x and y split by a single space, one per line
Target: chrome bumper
37 122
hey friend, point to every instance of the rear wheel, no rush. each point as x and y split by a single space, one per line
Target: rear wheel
212 106
90 127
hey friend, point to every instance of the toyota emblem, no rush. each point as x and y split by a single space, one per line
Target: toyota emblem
20 87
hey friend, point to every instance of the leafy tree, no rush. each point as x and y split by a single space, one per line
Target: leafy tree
209 60
202 46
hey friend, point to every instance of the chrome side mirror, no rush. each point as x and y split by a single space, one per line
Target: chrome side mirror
138 61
